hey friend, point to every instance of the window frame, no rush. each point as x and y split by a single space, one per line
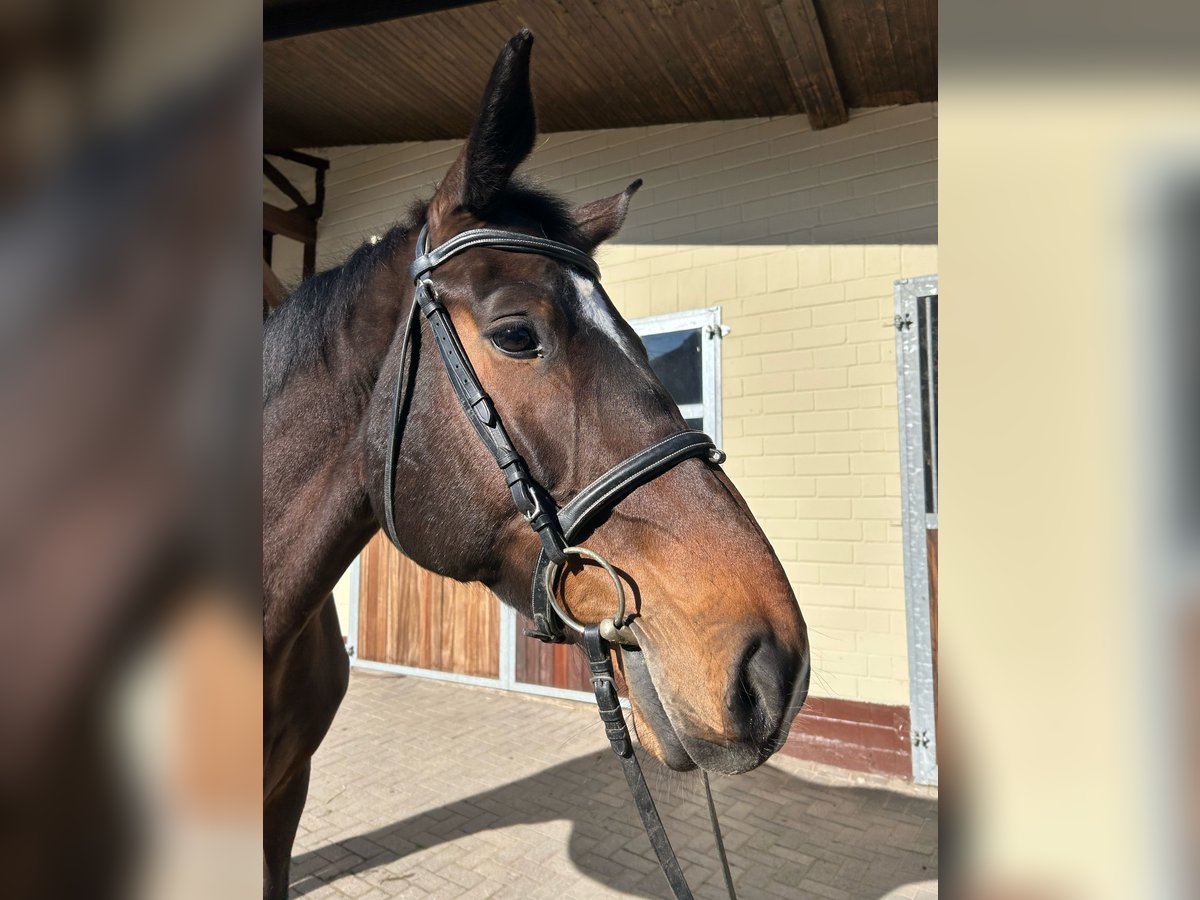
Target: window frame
708 323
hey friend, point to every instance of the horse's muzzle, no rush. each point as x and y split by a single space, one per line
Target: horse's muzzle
766 689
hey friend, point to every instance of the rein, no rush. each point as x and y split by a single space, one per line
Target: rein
555 527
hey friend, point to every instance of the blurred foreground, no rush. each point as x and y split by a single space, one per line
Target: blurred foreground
1069 200
129 659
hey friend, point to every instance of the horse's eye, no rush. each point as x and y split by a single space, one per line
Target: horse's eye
516 340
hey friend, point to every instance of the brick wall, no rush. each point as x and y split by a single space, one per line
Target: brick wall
798 236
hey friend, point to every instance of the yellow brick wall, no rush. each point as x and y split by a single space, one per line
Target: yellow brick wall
810 424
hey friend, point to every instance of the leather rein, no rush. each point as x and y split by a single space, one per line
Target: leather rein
555 527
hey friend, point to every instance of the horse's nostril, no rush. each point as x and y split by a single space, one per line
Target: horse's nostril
760 690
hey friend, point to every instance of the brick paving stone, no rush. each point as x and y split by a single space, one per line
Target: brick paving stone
424 789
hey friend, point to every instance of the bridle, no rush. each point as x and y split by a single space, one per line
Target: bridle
555 527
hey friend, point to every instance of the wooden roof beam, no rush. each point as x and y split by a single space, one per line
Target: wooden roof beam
280 181
801 42
289 223
319 166
306 159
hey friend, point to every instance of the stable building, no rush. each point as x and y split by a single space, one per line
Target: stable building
780 264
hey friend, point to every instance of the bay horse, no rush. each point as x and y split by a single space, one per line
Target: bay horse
719 665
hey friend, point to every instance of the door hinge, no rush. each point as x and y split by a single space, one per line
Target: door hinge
900 323
716 331
921 739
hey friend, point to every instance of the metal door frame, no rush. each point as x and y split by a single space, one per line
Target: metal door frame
916 522
709 321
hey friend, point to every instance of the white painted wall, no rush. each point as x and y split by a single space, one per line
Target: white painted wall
754 181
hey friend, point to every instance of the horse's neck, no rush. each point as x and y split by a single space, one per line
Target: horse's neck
316 512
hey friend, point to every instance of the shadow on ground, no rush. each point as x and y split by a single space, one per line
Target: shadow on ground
782 831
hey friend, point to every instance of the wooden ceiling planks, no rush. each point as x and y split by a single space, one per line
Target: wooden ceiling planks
624 87
761 44
866 39
897 19
612 64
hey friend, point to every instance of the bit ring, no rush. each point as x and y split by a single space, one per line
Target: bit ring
551 584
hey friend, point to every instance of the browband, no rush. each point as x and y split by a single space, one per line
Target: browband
495 239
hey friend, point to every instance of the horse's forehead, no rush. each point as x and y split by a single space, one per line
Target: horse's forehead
581 297
488 266
593 307
584 301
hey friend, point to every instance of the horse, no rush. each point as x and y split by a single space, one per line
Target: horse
718 667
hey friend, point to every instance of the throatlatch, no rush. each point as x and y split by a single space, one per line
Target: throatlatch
555 527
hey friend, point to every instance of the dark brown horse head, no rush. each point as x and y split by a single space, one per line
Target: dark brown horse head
723 664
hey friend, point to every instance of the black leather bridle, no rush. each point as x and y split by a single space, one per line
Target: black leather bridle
555 527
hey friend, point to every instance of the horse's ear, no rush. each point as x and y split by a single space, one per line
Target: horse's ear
601 219
502 136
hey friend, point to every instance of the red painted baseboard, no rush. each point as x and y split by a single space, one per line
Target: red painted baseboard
866 737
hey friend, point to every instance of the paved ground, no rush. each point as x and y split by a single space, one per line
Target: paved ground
427 788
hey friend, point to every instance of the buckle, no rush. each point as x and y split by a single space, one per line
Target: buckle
543 632
426 291
536 509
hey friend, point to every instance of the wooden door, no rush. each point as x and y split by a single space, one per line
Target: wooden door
555 665
410 617
550 665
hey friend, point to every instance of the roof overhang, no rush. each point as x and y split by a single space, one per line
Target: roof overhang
363 71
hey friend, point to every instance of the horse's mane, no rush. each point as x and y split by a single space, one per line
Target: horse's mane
302 330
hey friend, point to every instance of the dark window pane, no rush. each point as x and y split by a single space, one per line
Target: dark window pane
675 358
927 335
696 424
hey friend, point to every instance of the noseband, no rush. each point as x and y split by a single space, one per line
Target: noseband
555 527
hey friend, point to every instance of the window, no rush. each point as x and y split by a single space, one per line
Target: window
685 353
